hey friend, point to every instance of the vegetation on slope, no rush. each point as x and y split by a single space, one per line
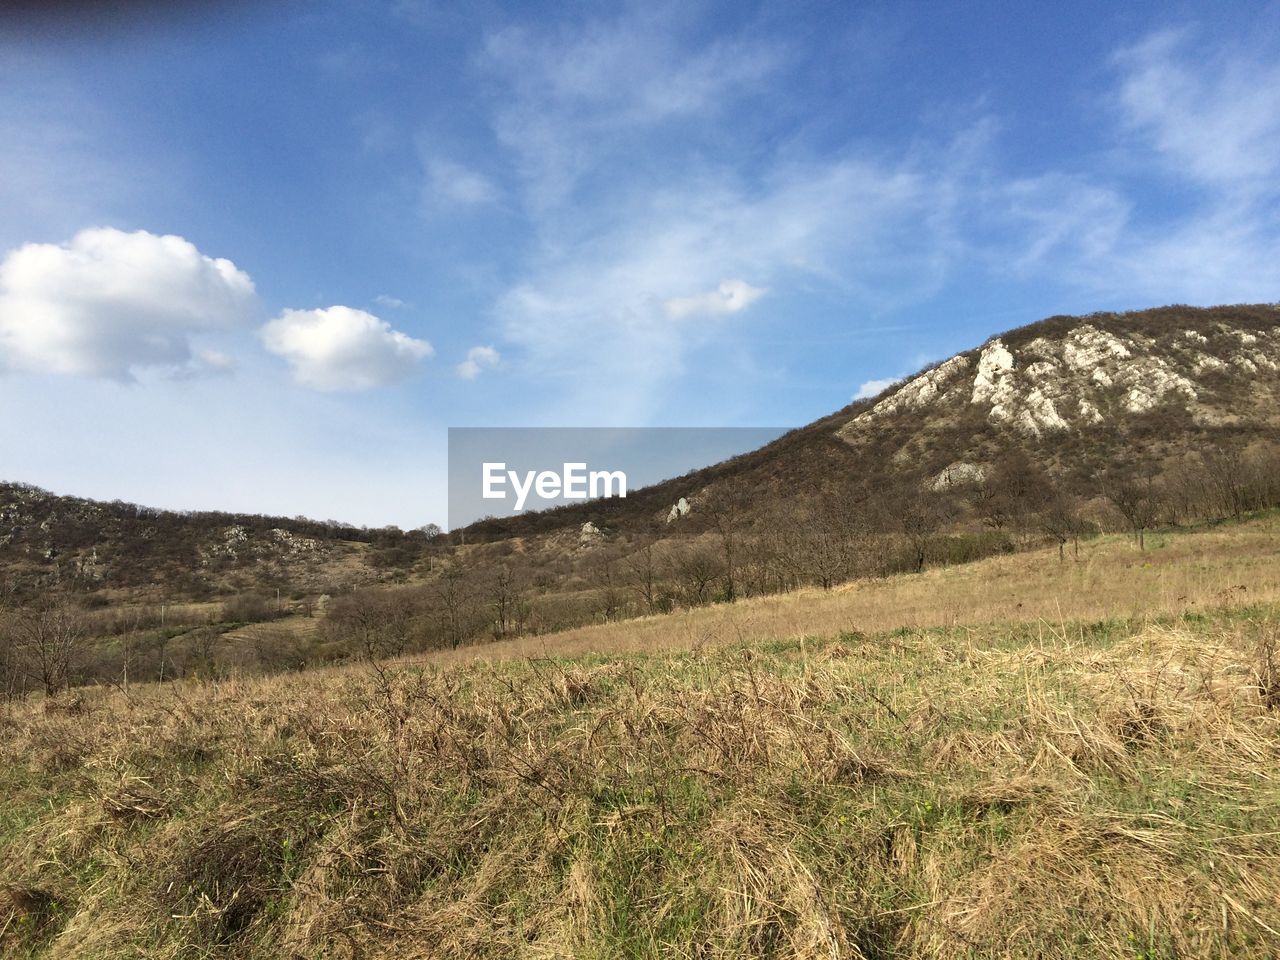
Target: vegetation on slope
1073 788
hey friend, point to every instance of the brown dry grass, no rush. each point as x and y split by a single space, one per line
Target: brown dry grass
1229 565
1044 787
1086 792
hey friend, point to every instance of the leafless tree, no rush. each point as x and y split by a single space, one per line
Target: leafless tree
1227 475
507 603
205 642
453 594
50 640
696 569
725 510
377 622
1015 488
918 517
1060 520
611 599
823 539
642 565
1138 502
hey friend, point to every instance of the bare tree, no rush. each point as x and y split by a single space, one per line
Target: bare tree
823 539
1013 489
643 567
12 679
1060 520
918 518
696 569
205 642
767 564
612 601
50 641
505 602
378 622
453 594
1227 477
1138 502
726 512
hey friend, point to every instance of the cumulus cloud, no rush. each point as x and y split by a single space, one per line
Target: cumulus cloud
730 296
340 348
1206 115
874 387
111 304
478 359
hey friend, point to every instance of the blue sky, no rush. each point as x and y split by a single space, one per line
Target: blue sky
261 256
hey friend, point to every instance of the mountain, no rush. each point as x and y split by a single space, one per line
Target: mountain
1079 396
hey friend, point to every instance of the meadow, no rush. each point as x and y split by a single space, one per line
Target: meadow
1017 757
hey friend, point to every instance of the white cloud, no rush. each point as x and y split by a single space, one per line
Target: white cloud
383 300
874 387
454 183
730 296
639 117
1211 114
478 359
596 308
110 304
1058 216
340 348
571 99
1207 115
204 365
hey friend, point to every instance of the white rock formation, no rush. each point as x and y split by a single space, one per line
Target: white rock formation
678 509
958 474
993 384
1078 379
1086 348
919 391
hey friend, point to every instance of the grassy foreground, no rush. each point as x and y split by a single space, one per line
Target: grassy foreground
1105 790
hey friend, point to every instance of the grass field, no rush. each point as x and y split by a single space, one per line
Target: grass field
1223 565
1018 758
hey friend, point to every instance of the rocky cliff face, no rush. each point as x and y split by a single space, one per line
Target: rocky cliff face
1100 370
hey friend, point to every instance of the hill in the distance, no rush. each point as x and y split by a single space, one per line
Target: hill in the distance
1078 395
1142 393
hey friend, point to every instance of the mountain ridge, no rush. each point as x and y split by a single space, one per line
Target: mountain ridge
1079 395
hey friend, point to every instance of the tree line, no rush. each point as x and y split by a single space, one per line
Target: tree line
732 547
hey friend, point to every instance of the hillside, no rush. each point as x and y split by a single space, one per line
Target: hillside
1077 394
976 789
1052 433
73 543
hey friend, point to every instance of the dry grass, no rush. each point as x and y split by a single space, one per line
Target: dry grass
1227 566
1079 792
1103 786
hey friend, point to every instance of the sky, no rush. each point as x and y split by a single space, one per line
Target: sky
261 256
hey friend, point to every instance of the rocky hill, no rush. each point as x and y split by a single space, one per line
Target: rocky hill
1088 392
1080 396
50 540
